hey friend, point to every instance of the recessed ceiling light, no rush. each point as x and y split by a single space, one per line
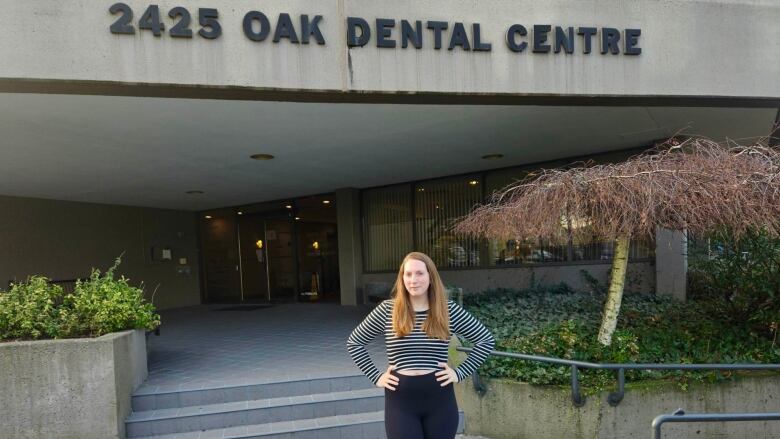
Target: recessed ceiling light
207 217
493 156
240 213
262 156
420 189
194 192
297 218
473 182
325 201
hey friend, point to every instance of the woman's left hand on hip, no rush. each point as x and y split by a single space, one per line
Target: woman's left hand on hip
446 376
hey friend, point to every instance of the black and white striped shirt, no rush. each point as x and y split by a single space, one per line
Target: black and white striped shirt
417 350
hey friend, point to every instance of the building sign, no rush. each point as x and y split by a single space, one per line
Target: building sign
386 32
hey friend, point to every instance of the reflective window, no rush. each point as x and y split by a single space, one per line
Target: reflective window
387 227
389 233
438 203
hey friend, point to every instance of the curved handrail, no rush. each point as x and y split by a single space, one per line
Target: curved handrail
614 398
681 416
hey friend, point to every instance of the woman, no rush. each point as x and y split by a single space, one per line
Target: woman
419 396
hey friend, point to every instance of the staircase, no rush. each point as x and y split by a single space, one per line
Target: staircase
324 408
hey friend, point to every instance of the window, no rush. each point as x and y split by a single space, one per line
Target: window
387 227
532 250
401 218
438 204
528 250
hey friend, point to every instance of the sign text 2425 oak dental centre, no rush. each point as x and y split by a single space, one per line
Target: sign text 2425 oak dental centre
387 32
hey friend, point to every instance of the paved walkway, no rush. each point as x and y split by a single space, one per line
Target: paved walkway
202 346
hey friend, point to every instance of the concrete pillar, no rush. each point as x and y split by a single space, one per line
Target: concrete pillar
350 252
671 262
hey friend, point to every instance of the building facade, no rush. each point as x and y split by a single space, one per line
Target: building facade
295 151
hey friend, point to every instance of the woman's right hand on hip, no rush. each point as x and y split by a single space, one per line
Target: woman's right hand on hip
387 380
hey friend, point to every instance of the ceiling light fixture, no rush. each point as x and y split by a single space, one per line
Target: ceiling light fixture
297 218
473 182
493 156
240 213
262 156
207 217
325 201
289 206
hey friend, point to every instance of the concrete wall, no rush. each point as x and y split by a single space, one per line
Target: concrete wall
689 48
640 277
671 255
76 388
64 240
511 410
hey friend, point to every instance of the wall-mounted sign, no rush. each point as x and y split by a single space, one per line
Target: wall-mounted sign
386 32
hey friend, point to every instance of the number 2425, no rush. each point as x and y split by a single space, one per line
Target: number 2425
150 20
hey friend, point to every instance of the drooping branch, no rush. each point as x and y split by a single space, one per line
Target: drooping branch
697 185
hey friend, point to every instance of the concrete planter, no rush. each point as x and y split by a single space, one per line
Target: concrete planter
522 411
73 388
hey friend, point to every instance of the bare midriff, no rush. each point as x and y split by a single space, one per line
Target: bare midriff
415 372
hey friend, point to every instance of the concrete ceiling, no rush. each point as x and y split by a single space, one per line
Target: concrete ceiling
149 151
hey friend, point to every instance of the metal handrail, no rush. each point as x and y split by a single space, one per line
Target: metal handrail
615 397
681 416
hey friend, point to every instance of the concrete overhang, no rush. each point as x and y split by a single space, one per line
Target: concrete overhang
149 151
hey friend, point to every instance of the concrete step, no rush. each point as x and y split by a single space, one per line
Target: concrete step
368 425
252 412
187 395
347 406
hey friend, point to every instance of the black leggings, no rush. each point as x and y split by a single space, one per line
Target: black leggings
419 408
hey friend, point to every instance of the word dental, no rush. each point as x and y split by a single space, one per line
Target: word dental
544 37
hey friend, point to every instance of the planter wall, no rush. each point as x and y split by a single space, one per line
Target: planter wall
74 388
522 411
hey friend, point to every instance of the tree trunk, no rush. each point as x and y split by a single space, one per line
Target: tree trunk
615 294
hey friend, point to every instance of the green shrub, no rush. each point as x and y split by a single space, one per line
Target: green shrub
30 310
558 322
103 304
571 340
743 274
100 305
511 313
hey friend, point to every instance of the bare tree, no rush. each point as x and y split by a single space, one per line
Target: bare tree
693 184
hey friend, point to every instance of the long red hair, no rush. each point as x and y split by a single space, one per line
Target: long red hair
436 325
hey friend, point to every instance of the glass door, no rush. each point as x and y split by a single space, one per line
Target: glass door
221 270
318 258
318 255
281 260
272 252
254 259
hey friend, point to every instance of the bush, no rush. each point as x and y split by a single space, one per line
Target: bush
571 340
30 310
744 275
99 305
558 322
102 304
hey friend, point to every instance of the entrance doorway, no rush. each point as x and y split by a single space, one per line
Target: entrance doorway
274 252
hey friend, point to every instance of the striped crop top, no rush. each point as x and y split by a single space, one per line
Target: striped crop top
417 350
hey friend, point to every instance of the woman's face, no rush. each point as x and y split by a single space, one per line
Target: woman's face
416 278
